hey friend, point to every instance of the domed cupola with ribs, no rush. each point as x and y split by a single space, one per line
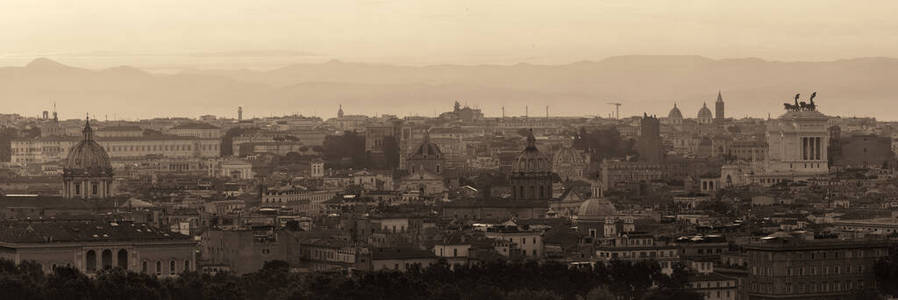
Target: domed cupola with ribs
87 173
531 177
427 157
704 114
569 163
531 160
675 117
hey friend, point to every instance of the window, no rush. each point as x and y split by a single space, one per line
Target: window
158 267
454 252
171 268
186 265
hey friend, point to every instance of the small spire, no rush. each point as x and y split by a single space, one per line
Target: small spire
88 132
531 140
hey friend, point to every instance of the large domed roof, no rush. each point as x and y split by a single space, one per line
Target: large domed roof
704 112
531 160
596 207
675 113
568 155
427 150
87 157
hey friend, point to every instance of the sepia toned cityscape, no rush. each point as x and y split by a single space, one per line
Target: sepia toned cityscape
515 166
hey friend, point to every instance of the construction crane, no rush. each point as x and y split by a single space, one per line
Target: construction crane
616 109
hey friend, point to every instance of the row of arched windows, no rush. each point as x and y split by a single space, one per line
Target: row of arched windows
157 268
105 261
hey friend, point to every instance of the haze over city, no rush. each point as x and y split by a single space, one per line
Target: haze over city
755 52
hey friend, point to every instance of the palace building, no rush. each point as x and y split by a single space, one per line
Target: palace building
54 148
90 246
783 266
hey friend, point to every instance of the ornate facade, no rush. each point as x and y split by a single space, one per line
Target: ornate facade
797 143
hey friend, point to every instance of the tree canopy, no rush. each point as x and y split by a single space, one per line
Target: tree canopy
495 280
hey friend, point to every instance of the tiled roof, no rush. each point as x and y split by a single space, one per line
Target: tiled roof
81 231
42 202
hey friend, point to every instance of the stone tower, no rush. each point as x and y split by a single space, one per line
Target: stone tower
718 107
649 144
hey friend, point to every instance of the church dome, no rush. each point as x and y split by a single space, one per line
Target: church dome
568 156
87 157
531 160
675 113
427 149
705 112
596 208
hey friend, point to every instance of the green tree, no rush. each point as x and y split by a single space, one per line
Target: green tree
68 283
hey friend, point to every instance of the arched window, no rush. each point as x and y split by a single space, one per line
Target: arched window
106 259
158 267
91 261
171 267
123 259
187 265
144 268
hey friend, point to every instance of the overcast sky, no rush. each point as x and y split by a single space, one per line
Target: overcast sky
268 33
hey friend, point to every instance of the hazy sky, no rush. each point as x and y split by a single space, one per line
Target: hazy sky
269 33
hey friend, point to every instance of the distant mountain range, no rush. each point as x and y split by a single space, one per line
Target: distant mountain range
750 87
